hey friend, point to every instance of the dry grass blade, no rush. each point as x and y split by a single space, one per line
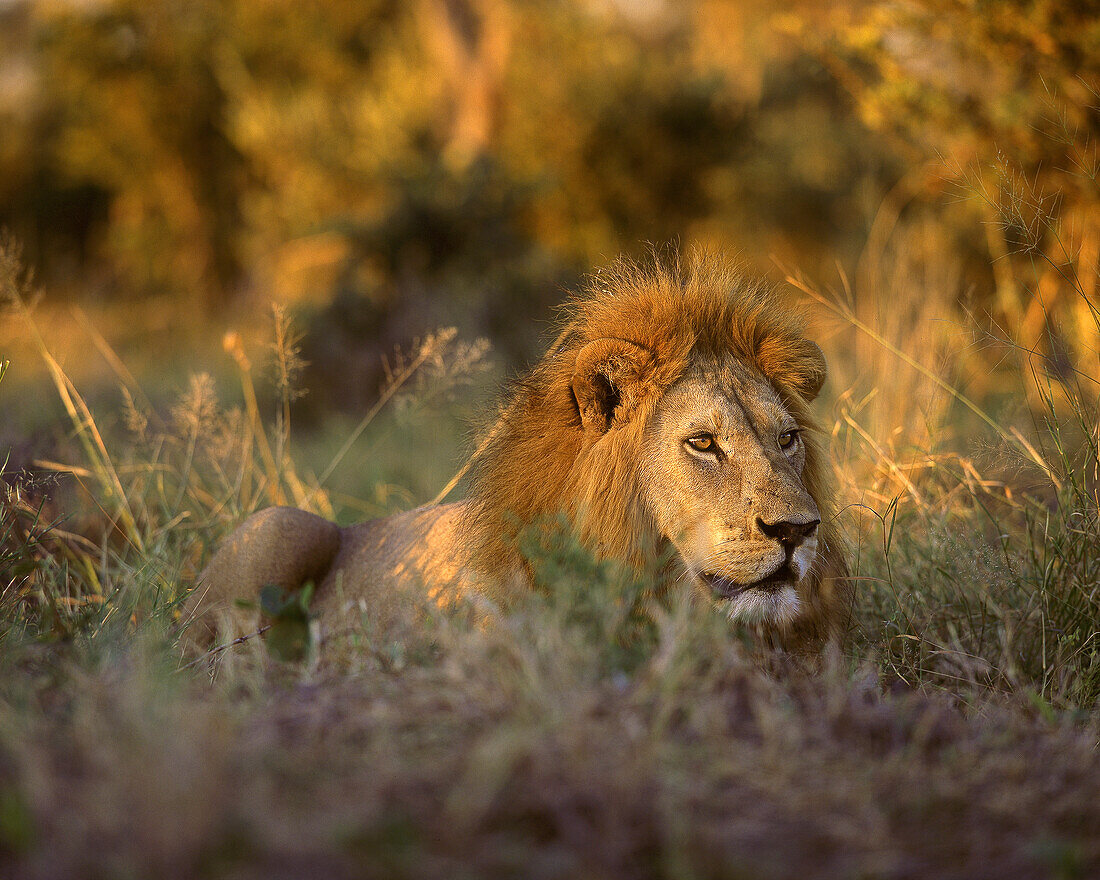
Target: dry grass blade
127 378
1037 458
88 433
426 350
843 311
233 345
886 459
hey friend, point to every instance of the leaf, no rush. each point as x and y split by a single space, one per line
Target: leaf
1045 709
272 600
16 822
289 640
304 596
289 637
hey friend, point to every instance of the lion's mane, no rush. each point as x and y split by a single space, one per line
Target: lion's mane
541 462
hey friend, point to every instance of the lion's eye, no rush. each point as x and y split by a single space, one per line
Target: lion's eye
702 443
787 439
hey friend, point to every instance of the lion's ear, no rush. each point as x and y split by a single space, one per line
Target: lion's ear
608 381
799 364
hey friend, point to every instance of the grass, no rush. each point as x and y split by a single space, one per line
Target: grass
588 733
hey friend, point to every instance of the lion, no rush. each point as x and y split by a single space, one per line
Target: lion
670 420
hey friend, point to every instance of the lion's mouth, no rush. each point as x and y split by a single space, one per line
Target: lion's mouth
725 588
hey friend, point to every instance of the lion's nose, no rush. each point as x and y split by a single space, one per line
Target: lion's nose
791 534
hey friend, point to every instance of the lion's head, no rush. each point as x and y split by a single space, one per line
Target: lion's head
723 459
675 413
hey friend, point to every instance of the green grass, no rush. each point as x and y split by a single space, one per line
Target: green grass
427 747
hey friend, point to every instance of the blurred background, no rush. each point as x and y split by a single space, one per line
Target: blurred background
379 169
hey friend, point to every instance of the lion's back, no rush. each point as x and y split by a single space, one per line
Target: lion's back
422 550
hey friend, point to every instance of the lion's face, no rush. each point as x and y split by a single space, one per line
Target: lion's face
724 461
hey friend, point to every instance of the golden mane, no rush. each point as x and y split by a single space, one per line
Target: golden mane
541 462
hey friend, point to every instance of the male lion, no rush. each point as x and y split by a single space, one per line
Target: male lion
672 414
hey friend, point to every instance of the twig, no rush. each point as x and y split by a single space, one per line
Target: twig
462 471
213 652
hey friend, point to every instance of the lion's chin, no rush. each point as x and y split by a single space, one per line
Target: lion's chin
772 602
770 607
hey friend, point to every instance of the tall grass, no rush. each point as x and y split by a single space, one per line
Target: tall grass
156 497
592 731
976 529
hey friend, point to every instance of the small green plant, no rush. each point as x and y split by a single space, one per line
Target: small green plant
609 606
288 636
25 550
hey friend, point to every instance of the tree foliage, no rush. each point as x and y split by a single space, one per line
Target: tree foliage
205 149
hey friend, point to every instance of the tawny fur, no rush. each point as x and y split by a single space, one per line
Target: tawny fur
570 442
